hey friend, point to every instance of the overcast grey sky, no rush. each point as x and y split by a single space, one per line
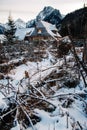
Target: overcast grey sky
28 9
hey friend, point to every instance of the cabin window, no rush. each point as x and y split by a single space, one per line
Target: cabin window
39 31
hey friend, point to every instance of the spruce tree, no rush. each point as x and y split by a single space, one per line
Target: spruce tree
10 31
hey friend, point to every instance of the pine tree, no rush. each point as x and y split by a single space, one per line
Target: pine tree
10 31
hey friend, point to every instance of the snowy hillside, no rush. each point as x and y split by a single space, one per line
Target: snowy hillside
43 81
42 93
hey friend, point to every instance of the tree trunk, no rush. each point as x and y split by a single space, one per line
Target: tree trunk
85 51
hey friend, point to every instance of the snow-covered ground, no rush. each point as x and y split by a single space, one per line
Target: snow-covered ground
58 119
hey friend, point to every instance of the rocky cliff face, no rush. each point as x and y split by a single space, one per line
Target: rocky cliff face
45 13
55 17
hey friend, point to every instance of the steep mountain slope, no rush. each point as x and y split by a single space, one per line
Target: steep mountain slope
55 17
48 14
76 23
30 23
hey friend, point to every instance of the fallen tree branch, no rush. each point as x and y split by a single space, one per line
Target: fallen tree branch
38 91
26 113
74 94
45 100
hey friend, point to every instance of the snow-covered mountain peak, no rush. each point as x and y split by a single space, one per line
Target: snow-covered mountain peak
45 12
48 9
20 23
48 14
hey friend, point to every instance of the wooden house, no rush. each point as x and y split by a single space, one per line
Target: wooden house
43 30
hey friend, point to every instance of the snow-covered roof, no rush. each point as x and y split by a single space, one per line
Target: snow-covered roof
21 33
49 25
47 29
51 28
